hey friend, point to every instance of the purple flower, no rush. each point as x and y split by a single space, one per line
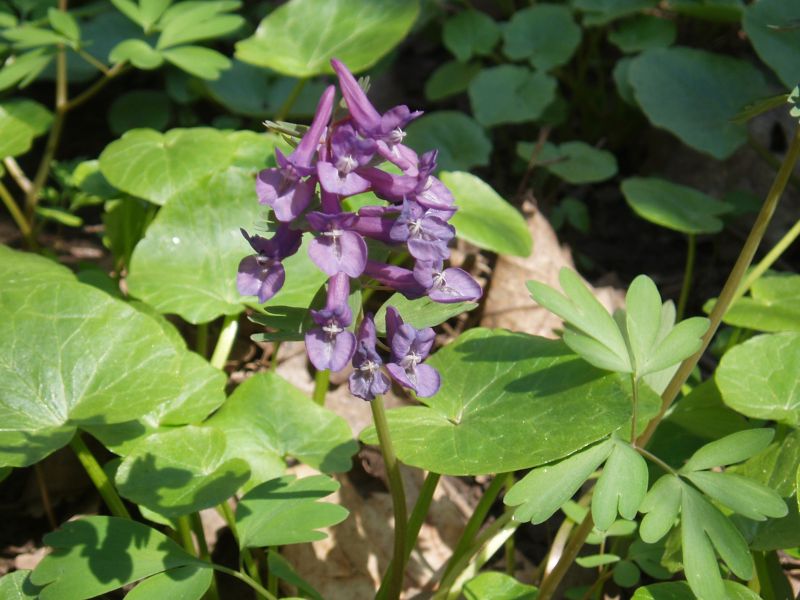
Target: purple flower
410 347
284 188
262 274
386 129
395 277
425 231
331 346
349 152
446 286
367 380
337 249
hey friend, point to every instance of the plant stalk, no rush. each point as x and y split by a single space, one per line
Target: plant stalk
48 506
731 285
185 533
17 174
551 581
688 275
250 564
242 577
16 214
773 255
321 381
98 477
227 336
397 566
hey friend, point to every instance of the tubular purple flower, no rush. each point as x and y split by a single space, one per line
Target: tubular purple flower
425 231
410 347
337 249
262 274
397 278
284 188
446 286
331 346
367 380
340 174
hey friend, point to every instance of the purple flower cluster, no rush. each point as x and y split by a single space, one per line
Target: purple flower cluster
343 155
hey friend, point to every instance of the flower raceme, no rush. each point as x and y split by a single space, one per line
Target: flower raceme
338 157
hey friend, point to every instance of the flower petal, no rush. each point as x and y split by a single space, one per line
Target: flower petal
455 285
335 182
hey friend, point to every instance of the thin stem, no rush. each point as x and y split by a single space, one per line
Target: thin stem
225 341
17 174
635 408
769 158
544 133
201 341
16 213
773 255
48 506
510 550
321 381
98 477
225 511
273 362
475 521
420 511
395 574
731 285
185 533
93 61
204 554
551 582
283 111
688 275
272 579
98 85
242 577
655 460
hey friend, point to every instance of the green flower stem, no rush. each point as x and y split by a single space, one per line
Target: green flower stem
419 512
16 214
272 579
197 528
773 255
93 61
552 580
185 534
475 522
17 174
688 275
655 460
397 567
321 380
635 406
283 111
98 85
230 326
731 285
509 549
249 581
250 564
98 477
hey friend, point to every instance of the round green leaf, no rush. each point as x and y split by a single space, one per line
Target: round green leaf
498 586
285 511
674 206
470 32
156 166
17 586
484 218
181 471
510 94
139 108
751 384
771 26
461 142
694 94
626 574
574 162
20 122
546 34
299 38
643 32
18 269
503 405
773 305
449 79
267 420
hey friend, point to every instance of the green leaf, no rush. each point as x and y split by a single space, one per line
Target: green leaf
267 420
503 403
94 555
771 26
17 586
680 590
129 9
449 79
139 108
574 162
469 33
188 22
151 10
27 36
204 63
283 569
543 491
600 12
596 560
484 218
157 166
181 471
300 38
776 465
285 511
703 526
138 52
25 68
545 34
660 507
643 32
125 222
759 107
64 23
773 305
183 583
593 334
525 95
20 122
19 269
422 312
724 11
742 495
694 94
461 142
243 89
731 449
674 206
626 574
621 487
498 586
750 383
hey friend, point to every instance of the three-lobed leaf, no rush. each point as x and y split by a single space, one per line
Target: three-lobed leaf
621 487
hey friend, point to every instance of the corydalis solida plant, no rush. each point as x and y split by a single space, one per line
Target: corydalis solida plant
336 158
